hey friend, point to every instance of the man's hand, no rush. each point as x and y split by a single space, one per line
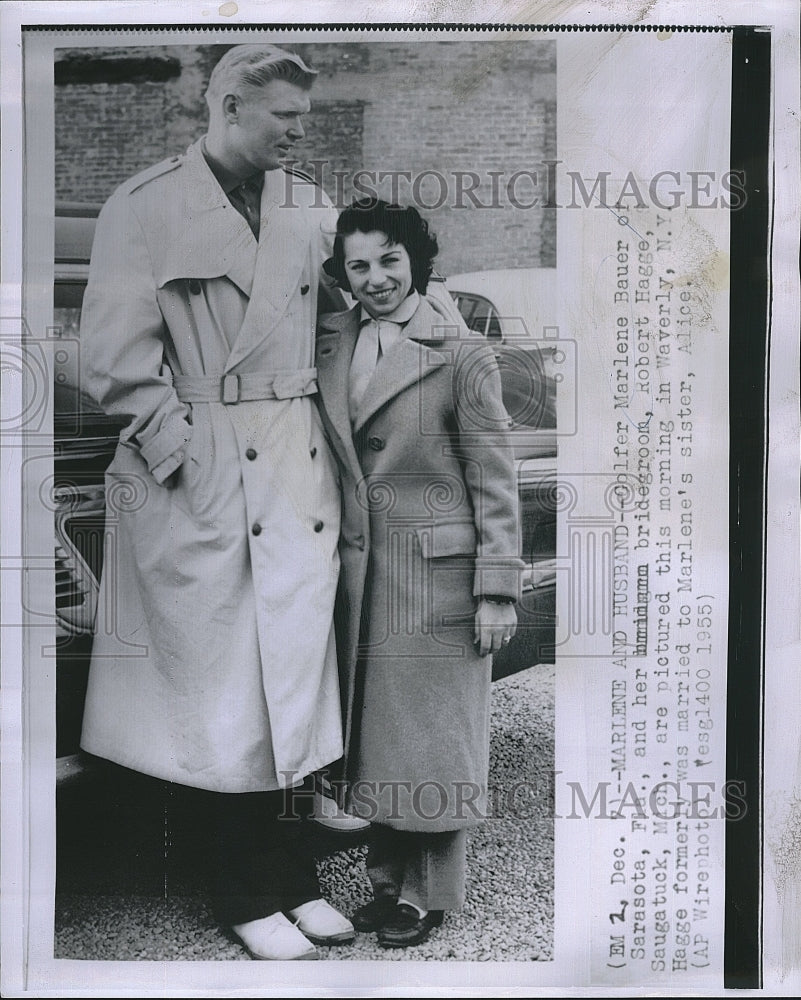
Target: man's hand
495 625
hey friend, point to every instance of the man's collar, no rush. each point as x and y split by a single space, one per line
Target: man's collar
223 175
401 315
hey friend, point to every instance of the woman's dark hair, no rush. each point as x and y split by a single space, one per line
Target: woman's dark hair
401 225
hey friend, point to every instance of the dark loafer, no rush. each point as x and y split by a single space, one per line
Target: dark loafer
407 927
373 915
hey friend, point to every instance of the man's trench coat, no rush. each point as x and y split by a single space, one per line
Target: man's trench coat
430 524
214 659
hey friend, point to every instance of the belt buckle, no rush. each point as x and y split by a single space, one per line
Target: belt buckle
230 389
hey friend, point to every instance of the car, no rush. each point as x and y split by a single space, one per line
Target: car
516 310
85 440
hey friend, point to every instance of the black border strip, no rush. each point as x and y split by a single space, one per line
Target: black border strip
748 422
377 26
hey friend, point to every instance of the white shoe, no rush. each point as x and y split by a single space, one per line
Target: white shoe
274 938
328 814
321 923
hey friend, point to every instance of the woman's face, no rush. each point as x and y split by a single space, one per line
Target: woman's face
379 272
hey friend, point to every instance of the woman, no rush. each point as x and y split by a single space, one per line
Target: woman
429 553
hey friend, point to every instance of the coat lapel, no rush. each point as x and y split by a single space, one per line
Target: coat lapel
406 363
285 245
216 240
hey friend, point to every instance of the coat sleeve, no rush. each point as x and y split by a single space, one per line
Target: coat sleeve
485 448
122 341
330 298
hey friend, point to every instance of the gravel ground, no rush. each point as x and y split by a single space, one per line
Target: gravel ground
128 888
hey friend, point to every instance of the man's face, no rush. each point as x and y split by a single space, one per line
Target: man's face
269 123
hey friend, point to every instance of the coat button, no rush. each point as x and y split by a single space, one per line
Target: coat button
313 452
358 541
256 529
194 286
376 443
304 289
319 526
250 454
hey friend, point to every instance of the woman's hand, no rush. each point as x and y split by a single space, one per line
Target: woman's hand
495 626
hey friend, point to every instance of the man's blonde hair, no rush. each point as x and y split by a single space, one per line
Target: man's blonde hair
255 66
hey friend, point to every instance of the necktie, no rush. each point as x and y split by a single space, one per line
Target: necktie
246 199
365 358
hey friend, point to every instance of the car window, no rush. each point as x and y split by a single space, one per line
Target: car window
479 314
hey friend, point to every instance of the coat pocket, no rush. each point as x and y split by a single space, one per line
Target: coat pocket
194 489
447 538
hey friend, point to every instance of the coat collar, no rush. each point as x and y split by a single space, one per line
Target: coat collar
215 239
428 324
414 357
401 315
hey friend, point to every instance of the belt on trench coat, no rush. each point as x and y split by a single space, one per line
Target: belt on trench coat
247 387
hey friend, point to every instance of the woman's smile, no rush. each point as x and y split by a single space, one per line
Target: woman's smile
381 295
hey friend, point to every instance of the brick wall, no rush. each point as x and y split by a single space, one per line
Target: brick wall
95 119
448 108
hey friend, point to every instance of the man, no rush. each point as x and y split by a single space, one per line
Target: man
214 661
